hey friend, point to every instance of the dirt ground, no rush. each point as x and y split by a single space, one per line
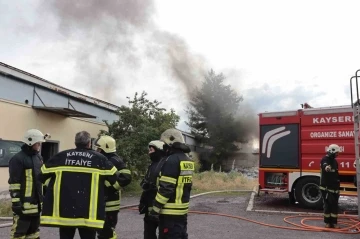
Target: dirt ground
130 225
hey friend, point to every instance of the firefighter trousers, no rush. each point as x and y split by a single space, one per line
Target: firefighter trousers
173 227
331 203
150 227
69 233
108 231
25 227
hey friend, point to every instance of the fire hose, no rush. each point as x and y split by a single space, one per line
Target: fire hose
349 224
353 226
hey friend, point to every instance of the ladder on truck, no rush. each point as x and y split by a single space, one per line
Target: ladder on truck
356 111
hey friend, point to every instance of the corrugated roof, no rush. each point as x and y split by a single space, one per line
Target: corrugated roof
25 76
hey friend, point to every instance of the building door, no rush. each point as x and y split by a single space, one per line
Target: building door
49 149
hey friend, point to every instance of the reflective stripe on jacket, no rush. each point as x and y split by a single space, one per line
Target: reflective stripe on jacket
24 186
175 184
113 196
75 195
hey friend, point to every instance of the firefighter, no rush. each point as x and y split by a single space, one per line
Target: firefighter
171 203
25 188
330 185
75 197
106 145
149 185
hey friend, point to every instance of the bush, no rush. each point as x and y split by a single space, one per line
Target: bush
132 189
5 208
213 181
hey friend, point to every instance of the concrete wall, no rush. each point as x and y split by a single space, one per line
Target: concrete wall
242 160
190 140
16 118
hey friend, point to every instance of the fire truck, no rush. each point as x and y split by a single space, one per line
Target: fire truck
292 144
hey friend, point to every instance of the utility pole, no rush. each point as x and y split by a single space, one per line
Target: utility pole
356 111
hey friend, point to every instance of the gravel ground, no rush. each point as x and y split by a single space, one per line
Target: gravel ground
130 224
280 202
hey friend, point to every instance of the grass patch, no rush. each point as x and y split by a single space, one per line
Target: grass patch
214 181
202 182
133 189
5 208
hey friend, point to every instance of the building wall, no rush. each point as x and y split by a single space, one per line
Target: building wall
16 118
245 157
189 140
242 160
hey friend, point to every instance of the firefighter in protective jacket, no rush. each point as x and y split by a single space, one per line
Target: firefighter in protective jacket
25 188
75 196
330 185
149 185
106 145
171 203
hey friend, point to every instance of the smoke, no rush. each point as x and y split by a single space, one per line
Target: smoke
185 66
117 36
113 35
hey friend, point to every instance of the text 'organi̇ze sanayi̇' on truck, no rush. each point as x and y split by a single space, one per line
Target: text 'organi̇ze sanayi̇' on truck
292 144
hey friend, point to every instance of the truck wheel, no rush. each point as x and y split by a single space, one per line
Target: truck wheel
308 194
292 199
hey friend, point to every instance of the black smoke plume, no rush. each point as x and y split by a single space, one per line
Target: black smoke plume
110 31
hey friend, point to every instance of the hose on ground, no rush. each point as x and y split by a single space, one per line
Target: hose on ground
352 226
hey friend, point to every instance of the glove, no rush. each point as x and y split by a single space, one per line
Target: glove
328 168
153 216
142 208
17 208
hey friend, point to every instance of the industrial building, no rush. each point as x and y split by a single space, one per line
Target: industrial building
28 101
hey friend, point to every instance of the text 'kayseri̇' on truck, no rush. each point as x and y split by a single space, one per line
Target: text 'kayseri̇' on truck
292 144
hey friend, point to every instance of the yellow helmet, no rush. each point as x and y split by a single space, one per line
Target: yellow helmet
171 136
106 143
157 144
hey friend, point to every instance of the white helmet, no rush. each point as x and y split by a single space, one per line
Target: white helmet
333 149
157 144
33 136
171 136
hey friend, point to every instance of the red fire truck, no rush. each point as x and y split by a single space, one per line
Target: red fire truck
292 143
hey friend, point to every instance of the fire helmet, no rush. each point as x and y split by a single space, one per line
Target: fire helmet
171 136
333 149
106 143
33 136
157 144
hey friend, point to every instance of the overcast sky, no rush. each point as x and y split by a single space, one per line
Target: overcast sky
277 54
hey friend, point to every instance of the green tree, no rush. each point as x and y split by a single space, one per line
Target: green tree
214 116
139 123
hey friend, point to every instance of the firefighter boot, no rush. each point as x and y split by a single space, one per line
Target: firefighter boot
336 226
327 225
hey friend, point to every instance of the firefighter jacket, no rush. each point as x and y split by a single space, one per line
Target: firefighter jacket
75 194
113 195
24 186
173 195
150 183
329 180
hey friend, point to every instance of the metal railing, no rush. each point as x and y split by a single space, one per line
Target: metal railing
356 113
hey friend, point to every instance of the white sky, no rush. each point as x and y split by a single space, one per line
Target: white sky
278 54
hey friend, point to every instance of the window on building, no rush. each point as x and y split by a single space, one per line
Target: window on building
8 149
